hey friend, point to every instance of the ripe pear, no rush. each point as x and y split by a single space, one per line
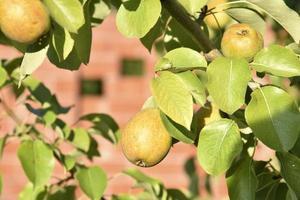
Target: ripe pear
241 41
144 140
23 21
220 16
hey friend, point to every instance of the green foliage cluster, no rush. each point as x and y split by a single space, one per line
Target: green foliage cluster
191 73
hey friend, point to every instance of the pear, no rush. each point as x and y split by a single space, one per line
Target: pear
24 21
145 141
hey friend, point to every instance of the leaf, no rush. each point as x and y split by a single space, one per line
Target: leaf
141 177
273 117
83 39
219 143
37 161
155 32
104 125
99 10
68 14
135 18
32 193
233 75
2 145
72 62
248 16
175 194
173 98
63 193
191 170
177 36
193 6
290 166
31 61
177 131
274 8
242 182
3 76
62 42
182 59
92 181
277 60
69 161
80 138
278 191
296 149
194 86
124 197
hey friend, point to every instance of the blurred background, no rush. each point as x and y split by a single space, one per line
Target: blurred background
116 82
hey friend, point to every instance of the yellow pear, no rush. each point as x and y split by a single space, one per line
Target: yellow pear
144 140
241 41
222 18
23 21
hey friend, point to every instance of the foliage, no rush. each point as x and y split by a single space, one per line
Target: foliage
191 73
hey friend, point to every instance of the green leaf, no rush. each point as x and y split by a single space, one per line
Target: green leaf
277 60
242 182
141 177
62 42
72 62
99 10
104 125
219 143
155 32
63 193
2 145
135 18
69 161
169 93
37 161
233 75
175 194
3 76
80 138
83 39
194 86
278 191
273 117
68 14
247 16
290 20
290 166
124 197
193 6
191 170
92 181
32 61
296 149
177 131
32 193
182 59
177 36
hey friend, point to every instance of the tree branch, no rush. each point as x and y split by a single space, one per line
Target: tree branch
180 14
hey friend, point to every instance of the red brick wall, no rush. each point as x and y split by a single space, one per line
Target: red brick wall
122 98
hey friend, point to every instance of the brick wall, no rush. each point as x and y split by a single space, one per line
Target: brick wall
122 97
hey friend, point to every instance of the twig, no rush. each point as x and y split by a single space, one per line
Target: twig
182 17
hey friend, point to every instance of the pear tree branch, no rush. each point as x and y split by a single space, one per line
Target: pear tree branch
178 12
